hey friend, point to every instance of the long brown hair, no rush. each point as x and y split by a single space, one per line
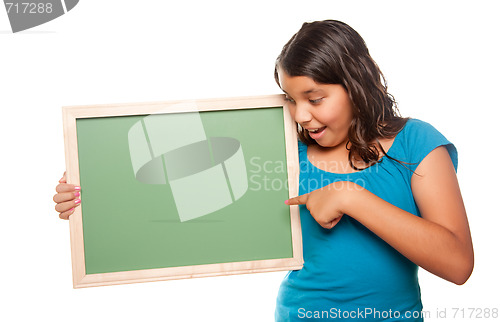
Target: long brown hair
331 52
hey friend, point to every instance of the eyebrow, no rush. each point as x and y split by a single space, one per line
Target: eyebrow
314 90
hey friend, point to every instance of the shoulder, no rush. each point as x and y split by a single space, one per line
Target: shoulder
302 146
417 126
302 153
420 138
417 132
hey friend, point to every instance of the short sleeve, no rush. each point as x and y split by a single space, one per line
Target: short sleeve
422 138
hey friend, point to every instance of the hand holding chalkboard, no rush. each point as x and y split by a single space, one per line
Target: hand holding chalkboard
66 198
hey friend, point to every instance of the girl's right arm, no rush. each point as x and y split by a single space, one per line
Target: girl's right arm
66 198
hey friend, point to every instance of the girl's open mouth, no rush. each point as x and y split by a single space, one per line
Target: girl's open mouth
317 133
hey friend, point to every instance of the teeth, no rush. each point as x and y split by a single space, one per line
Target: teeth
314 131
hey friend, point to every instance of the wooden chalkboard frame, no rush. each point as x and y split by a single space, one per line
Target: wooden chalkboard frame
70 116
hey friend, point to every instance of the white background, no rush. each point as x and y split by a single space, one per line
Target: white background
440 59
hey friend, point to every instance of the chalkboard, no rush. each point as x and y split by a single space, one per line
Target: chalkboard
182 189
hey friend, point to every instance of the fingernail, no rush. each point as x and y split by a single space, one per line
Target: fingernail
71 209
286 202
78 188
77 194
77 201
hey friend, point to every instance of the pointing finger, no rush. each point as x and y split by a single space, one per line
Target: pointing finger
299 200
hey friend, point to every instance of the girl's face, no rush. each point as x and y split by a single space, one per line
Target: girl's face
324 110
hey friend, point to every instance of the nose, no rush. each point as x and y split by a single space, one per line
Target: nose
302 114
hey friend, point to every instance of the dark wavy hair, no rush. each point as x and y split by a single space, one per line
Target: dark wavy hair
331 52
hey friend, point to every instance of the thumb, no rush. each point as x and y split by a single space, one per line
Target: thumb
299 200
63 179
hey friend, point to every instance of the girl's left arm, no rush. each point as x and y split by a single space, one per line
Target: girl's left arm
439 241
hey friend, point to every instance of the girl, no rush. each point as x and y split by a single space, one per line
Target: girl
378 193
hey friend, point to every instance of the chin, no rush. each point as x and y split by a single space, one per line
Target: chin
325 143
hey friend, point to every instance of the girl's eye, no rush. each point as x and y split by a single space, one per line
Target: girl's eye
316 101
288 99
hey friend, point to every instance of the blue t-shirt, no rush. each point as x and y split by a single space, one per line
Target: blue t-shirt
349 273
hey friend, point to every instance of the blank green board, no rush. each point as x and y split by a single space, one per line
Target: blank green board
129 225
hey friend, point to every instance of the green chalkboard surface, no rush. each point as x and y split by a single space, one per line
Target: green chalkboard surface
138 200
